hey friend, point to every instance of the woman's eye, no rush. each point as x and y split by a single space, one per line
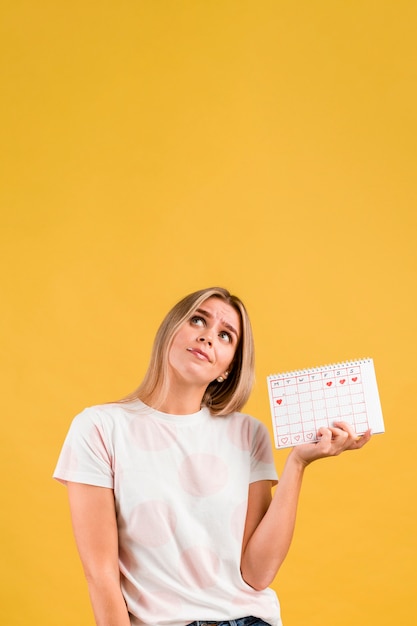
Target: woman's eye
197 321
225 335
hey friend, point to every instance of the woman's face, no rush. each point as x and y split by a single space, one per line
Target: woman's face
205 344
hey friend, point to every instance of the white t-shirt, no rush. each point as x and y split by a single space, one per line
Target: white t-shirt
181 488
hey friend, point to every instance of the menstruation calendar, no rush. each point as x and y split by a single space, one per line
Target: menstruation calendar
302 401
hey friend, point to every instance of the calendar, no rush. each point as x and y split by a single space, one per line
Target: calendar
302 401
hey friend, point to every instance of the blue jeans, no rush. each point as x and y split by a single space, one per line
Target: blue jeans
242 621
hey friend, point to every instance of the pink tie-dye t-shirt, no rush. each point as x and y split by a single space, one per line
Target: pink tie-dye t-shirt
181 488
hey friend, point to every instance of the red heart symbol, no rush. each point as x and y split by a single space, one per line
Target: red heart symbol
342 381
279 401
329 384
355 379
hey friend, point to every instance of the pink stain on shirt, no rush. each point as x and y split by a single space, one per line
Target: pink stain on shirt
149 435
199 567
153 522
203 474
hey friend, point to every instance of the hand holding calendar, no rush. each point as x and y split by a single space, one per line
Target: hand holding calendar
303 401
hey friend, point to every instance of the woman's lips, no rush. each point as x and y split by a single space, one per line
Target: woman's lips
199 353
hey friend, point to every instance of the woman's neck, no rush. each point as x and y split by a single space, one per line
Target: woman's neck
178 401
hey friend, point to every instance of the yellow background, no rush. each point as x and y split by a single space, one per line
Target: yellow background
150 148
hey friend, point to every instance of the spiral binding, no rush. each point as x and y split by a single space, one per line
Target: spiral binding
328 367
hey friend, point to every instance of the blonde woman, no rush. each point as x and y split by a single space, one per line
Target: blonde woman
170 488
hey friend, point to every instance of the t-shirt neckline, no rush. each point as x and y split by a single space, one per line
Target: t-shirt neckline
173 417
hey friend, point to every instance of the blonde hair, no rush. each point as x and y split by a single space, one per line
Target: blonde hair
221 398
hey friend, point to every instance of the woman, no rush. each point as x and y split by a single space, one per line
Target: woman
170 489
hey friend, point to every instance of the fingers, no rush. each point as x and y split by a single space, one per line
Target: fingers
361 440
347 428
331 440
340 437
353 441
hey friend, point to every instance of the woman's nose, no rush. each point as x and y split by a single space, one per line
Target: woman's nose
205 339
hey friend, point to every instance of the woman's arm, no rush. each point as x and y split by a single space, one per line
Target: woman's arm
270 521
94 522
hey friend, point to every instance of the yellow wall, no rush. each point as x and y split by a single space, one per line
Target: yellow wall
150 148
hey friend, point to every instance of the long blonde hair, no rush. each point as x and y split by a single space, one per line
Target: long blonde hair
221 398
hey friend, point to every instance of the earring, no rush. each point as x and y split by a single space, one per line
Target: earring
221 379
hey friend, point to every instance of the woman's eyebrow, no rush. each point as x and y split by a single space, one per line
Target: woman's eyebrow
226 324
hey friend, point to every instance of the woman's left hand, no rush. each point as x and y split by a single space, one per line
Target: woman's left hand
332 441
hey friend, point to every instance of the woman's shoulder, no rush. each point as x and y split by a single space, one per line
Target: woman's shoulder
107 413
247 422
243 417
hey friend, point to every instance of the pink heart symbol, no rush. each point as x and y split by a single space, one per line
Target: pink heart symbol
329 384
297 437
355 379
279 401
309 435
284 440
342 382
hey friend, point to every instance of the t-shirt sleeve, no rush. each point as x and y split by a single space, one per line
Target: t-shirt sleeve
262 460
86 455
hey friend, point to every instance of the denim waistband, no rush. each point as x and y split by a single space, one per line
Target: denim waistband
242 621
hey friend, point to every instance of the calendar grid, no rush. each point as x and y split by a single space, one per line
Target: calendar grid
304 401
